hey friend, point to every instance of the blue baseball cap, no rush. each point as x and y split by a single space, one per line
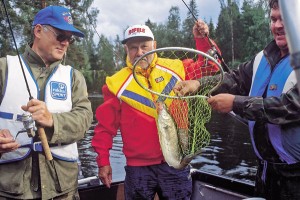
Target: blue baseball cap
58 17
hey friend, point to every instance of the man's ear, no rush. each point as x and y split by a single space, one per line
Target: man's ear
126 48
154 44
37 30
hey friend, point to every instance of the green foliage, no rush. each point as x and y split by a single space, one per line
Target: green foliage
227 31
255 24
174 19
95 80
119 53
19 15
212 31
169 34
105 55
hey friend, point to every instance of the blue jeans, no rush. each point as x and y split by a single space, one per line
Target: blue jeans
169 183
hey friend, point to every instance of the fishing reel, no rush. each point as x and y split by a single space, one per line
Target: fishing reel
28 124
213 53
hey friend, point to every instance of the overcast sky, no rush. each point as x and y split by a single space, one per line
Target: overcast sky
116 15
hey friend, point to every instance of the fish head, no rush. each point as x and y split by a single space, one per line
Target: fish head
160 106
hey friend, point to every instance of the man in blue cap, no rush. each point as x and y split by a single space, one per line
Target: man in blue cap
60 105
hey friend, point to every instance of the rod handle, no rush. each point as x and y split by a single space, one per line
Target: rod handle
45 144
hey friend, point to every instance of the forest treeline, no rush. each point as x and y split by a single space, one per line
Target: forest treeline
240 32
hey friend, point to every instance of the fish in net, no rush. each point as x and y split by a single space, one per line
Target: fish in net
188 114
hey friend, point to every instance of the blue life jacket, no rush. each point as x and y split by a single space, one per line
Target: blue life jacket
285 141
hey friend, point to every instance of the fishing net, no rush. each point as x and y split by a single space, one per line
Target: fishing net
190 112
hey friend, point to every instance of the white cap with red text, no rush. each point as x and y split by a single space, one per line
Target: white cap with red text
137 31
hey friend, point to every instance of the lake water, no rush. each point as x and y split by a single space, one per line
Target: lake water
230 152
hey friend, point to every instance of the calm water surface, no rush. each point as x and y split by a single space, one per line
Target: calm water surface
229 153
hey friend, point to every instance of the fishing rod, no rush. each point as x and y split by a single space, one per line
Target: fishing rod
215 51
26 119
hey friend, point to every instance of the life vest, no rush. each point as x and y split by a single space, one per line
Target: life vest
277 82
124 86
57 98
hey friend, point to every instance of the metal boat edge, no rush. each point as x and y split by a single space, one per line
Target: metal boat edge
206 186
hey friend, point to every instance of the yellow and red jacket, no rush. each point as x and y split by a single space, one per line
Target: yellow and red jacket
130 108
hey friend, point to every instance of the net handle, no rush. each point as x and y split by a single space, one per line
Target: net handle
178 49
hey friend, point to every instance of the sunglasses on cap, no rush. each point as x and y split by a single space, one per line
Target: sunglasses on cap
60 37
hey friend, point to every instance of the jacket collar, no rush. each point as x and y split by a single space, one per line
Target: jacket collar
272 53
34 60
144 72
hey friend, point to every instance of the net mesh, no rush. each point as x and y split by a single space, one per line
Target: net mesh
190 112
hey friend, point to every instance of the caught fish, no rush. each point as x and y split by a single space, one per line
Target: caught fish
168 139
183 137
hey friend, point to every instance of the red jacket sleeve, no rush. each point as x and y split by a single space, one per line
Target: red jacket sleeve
201 67
108 117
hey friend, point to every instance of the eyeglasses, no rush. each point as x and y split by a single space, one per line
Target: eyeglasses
61 37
